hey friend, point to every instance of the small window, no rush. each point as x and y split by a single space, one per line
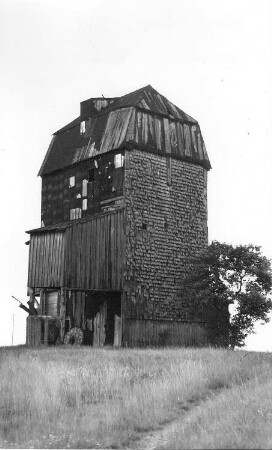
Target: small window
118 160
84 204
72 181
82 127
78 213
75 213
91 175
84 188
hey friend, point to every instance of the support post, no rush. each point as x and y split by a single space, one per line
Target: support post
63 292
45 331
41 310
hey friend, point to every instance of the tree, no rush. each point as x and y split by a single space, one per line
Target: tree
224 275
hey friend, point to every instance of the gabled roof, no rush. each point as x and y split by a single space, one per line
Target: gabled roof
142 119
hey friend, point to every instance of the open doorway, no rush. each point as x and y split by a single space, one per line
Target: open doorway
103 318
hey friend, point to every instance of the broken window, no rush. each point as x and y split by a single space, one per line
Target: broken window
82 127
118 160
105 179
84 188
72 181
91 175
84 204
75 213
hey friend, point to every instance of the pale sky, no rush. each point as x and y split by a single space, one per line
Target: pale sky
212 58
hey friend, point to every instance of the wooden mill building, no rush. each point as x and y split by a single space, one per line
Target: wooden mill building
123 212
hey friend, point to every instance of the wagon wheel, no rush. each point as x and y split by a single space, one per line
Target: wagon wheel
74 337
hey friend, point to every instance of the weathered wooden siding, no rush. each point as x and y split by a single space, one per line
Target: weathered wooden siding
46 259
95 253
58 198
162 332
38 330
85 255
34 330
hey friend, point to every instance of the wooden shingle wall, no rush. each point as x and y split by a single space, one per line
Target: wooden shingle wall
166 227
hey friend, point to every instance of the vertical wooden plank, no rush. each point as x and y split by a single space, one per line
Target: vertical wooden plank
74 256
158 133
40 281
84 256
35 261
117 331
92 253
41 306
120 249
63 294
46 261
38 330
97 268
83 320
30 262
187 136
180 140
54 243
45 335
87 253
57 257
167 136
107 252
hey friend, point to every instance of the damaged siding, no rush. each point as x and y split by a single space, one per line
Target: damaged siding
95 181
166 226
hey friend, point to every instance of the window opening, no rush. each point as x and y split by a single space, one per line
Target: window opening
118 160
91 175
84 188
82 127
75 213
84 204
72 181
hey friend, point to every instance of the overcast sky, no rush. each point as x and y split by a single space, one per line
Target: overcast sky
212 58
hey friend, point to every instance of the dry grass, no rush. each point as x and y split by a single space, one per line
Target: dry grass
100 398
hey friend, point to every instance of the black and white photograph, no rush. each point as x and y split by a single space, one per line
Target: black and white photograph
136 224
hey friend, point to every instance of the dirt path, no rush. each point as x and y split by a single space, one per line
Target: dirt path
158 439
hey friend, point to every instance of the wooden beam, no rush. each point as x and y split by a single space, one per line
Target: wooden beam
63 293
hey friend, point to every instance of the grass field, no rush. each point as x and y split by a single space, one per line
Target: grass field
105 398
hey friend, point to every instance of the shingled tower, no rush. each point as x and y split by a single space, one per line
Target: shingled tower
124 211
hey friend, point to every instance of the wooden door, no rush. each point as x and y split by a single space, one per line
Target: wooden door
99 326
